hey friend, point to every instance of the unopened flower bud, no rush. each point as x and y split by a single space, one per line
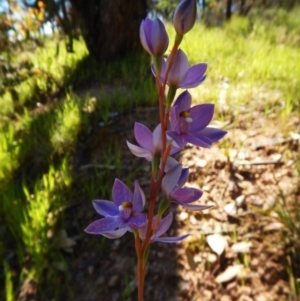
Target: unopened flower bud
185 16
154 37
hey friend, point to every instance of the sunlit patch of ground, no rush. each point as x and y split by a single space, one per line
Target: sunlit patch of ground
236 250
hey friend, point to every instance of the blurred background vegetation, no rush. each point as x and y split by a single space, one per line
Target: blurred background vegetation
53 53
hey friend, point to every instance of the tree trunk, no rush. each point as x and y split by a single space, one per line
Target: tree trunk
110 27
242 7
228 9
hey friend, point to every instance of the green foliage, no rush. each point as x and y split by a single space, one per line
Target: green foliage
289 215
9 149
32 215
67 126
249 55
9 293
166 7
31 77
277 25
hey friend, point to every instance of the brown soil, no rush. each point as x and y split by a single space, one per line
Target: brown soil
243 182
244 188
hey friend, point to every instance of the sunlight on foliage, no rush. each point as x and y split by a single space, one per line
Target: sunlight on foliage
67 126
9 149
9 293
35 214
243 52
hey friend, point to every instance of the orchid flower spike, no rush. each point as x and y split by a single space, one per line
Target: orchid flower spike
172 188
189 124
120 215
185 16
163 226
154 37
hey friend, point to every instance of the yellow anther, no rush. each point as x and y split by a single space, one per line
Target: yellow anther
185 114
127 205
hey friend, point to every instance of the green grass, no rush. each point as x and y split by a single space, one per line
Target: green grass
249 54
8 283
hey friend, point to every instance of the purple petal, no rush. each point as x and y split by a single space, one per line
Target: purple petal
212 133
183 101
174 118
159 37
139 152
171 162
120 193
103 225
195 207
175 150
185 195
201 116
105 208
179 69
185 16
163 69
183 177
200 141
170 239
142 231
125 213
157 140
138 221
144 34
143 136
163 226
153 36
170 179
177 138
115 234
139 199
194 76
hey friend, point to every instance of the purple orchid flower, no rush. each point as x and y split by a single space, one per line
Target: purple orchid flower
172 184
189 125
154 37
150 143
120 215
181 75
163 226
185 16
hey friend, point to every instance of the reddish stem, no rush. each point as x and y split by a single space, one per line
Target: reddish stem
154 185
141 274
161 109
172 57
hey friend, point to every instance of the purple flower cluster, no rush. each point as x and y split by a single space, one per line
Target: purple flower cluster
120 215
182 124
